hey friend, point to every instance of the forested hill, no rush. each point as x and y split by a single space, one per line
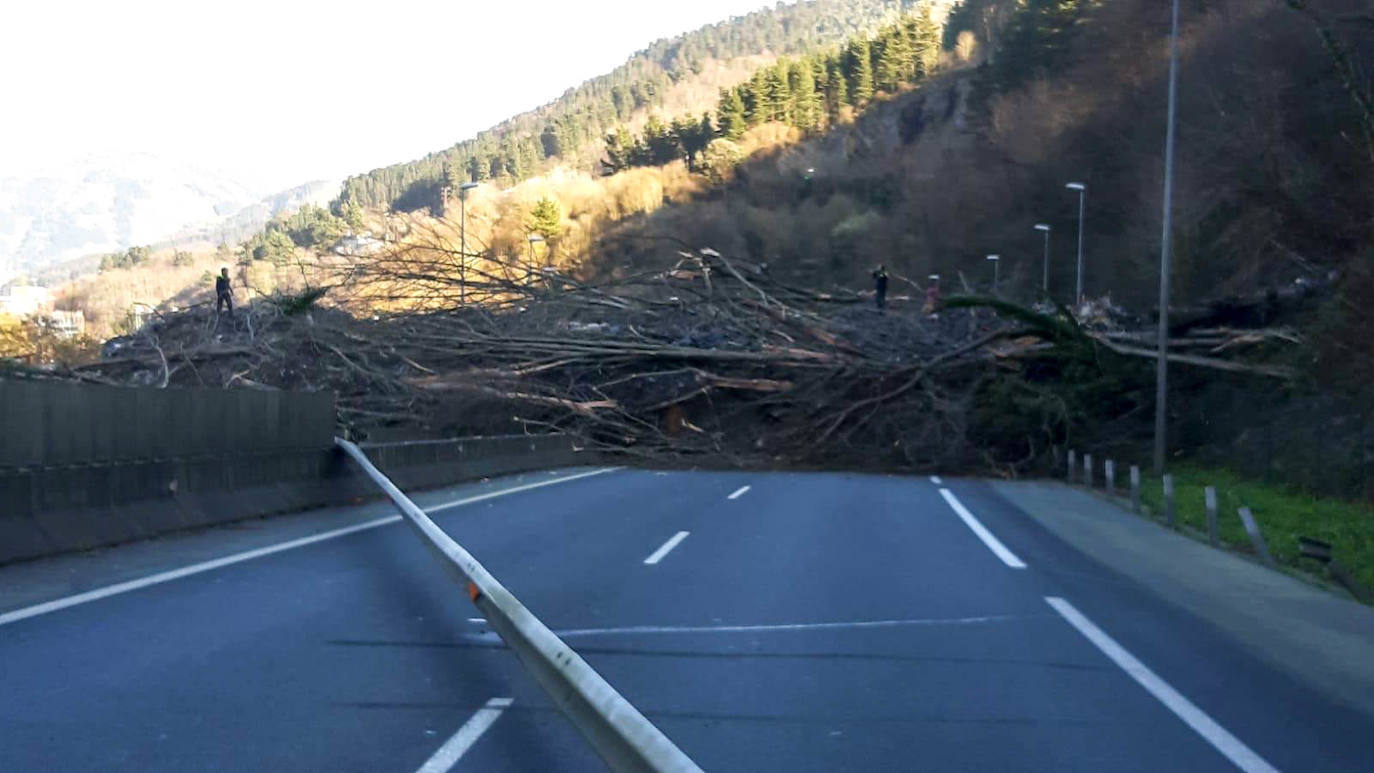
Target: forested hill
571 127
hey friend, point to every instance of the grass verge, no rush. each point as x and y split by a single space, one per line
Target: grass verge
1283 515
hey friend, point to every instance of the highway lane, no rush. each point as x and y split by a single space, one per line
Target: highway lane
984 676
832 622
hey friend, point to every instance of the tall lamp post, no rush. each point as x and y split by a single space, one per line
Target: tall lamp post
996 259
534 256
463 241
1082 196
1162 360
1045 280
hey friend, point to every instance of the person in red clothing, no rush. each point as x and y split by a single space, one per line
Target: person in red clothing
932 296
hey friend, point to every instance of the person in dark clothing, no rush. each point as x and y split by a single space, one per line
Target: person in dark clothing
880 287
224 295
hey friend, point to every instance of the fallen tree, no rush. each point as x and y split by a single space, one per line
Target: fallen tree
707 358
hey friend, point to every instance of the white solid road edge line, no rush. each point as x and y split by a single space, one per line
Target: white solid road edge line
995 545
739 492
185 571
1237 752
658 555
516 489
249 555
454 748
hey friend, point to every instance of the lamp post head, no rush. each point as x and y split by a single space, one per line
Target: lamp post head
934 277
1042 227
536 238
994 257
1076 187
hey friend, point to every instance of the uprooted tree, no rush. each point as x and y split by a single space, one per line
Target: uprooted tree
707 358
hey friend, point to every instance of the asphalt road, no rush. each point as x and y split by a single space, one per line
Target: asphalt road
813 622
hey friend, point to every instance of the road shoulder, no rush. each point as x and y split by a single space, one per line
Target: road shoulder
1318 637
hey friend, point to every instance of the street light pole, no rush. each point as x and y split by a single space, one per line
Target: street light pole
1082 197
1045 280
1165 249
463 241
534 256
996 259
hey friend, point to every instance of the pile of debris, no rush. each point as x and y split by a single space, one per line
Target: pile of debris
708 358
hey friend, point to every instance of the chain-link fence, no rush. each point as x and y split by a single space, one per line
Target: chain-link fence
1311 441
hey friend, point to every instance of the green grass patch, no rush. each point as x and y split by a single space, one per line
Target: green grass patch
1283 515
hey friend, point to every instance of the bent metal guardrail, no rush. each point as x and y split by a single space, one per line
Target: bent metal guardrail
624 738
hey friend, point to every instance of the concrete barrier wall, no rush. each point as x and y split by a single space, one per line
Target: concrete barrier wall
55 509
48 423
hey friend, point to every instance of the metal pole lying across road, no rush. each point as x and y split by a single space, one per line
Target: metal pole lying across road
624 738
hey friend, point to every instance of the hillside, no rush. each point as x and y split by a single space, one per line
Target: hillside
1274 180
672 76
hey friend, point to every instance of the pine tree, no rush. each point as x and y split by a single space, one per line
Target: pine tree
1036 38
546 219
836 89
453 175
550 141
477 168
925 44
529 153
820 79
353 215
858 68
806 103
512 160
619 149
894 62
730 114
754 92
777 101
692 136
660 141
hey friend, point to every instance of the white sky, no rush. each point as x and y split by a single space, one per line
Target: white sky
279 92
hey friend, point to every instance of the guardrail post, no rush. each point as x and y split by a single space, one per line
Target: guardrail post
1256 538
1088 470
1109 472
1073 463
1169 499
1135 489
1209 495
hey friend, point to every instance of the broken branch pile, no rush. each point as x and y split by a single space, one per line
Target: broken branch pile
710 358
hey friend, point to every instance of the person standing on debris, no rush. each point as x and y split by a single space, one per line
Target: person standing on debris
224 295
880 287
932 297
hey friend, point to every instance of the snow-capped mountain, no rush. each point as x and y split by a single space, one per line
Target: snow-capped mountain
108 202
